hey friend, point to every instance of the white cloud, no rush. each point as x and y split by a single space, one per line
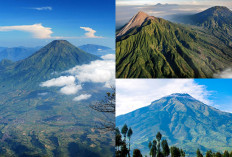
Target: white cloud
82 97
59 82
99 49
109 57
136 93
43 8
70 89
99 71
224 74
37 30
40 32
90 33
67 83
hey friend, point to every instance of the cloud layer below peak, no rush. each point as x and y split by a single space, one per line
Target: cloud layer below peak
98 71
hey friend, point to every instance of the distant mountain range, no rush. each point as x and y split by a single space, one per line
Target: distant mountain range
19 53
38 121
150 47
183 121
16 53
97 49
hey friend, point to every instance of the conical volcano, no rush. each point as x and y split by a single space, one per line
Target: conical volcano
183 121
157 48
57 56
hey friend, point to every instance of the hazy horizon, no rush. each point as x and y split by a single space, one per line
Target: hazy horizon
166 10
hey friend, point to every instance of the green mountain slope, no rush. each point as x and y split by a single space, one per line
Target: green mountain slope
217 20
183 121
159 48
41 121
55 57
218 16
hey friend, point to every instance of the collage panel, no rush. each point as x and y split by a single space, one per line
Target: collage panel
115 78
173 39
174 117
164 115
57 75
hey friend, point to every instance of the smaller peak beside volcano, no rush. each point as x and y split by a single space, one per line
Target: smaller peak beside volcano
219 8
215 11
217 16
136 21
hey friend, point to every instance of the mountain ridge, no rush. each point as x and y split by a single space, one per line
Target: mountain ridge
42 121
162 49
136 21
55 57
186 123
217 16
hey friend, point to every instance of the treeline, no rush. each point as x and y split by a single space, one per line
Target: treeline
158 147
209 153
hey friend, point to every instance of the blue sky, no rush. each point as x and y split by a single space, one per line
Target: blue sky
60 18
213 92
221 93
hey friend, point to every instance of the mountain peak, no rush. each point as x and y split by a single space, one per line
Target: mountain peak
217 16
180 95
141 14
219 8
136 21
57 56
55 42
184 122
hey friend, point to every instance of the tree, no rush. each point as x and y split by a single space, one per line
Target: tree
231 154
158 137
165 148
218 154
226 154
124 150
117 131
199 153
182 153
209 153
137 153
153 149
149 145
106 106
124 131
129 134
175 152
160 154
118 141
